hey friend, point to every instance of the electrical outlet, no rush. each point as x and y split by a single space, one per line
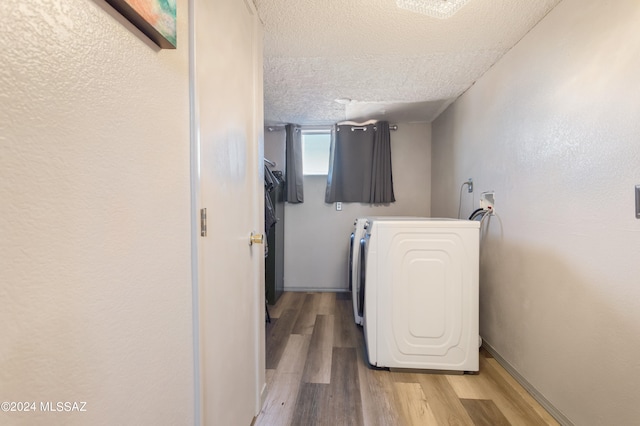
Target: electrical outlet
339 206
487 200
470 184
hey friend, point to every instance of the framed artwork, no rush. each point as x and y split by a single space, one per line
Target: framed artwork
155 18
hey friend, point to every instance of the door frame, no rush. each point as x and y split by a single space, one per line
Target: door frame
255 172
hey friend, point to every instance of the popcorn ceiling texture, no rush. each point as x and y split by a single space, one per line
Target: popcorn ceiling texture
389 61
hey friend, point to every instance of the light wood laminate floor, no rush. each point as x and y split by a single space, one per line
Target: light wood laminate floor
317 374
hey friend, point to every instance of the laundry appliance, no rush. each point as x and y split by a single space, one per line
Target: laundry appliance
356 264
354 268
420 288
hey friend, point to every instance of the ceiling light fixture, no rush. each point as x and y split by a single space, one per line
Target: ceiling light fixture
440 9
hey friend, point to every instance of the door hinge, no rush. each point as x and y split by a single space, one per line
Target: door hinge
203 222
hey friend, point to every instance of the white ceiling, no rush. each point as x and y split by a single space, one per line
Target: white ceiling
391 63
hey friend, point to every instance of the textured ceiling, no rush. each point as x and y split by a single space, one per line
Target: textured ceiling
391 63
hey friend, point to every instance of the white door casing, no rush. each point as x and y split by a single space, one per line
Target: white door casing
227 177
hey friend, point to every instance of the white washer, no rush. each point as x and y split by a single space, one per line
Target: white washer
354 268
421 293
356 262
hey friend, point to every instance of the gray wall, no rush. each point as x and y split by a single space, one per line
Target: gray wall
274 147
554 129
317 236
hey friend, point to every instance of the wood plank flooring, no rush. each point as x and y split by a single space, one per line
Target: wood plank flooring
317 374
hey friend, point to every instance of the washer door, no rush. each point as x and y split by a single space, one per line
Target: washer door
362 273
353 237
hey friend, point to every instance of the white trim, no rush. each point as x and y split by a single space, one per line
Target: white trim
316 290
263 398
194 142
315 129
258 196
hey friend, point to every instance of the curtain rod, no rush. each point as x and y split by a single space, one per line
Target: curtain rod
354 127
394 127
279 128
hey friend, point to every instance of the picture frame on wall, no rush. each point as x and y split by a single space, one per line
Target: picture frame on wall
155 18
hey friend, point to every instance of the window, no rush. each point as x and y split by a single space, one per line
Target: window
316 145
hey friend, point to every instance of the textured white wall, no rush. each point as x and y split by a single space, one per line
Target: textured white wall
95 283
317 236
553 128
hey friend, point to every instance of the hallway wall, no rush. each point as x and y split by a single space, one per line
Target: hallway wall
95 281
553 129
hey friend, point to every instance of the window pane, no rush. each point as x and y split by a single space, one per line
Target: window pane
315 153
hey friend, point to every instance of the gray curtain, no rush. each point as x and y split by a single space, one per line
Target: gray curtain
381 176
293 178
360 165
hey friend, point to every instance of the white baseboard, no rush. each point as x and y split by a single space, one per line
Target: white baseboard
263 397
561 418
316 290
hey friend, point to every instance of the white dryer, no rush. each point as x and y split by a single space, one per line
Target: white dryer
421 293
354 268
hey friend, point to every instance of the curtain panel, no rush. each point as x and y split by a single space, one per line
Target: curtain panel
381 175
360 165
294 177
